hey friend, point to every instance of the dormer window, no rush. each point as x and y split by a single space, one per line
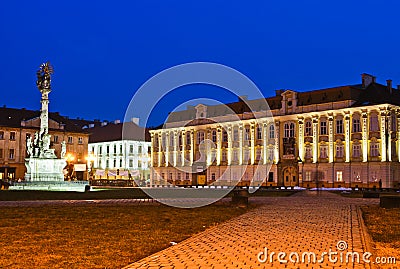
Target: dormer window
201 111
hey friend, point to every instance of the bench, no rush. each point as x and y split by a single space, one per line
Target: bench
390 201
240 197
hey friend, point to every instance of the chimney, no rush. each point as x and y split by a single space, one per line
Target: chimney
389 85
117 121
135 120
367 79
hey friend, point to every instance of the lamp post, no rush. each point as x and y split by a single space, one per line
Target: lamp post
69 158
90 160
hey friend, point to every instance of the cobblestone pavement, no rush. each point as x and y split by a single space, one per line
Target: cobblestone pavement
305 222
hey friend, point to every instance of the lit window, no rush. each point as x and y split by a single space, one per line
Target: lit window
12 135
308 128
373 123
247 134
11 154
339 151
259 132
356 126
308 152
200 137
271 131
323 152
323 130
339 175
289 129
356 151
235 134
214 136
187 138
374 150
308 176
339 126
225 136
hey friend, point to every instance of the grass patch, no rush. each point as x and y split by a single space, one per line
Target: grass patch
98 236
119 193
384 227
126 193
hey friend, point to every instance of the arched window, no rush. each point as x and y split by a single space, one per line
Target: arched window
289 129
271 131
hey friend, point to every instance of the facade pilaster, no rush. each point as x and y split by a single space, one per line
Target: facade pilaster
229 152
364 129
330 138
315 139
252 142
383 135
347 135
277 137
301 138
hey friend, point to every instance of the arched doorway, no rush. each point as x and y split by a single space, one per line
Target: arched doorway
290 176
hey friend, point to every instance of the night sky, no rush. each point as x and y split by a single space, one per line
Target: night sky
103 51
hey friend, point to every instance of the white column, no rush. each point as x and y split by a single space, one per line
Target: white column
229 151
301 138
398 134
277 135
383 136
347 136
183 141
153 143
389 134
331 134
252 143
219 145
364 129
265 142
191 147
160 149
175 134
315 139
207 136
241 143
167 148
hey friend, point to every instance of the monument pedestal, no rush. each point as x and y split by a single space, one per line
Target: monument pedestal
44 169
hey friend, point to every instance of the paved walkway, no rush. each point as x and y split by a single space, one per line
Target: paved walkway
306 222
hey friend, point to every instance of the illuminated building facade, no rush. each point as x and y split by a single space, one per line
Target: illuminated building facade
345 136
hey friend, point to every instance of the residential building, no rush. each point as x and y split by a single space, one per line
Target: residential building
16 125
118 156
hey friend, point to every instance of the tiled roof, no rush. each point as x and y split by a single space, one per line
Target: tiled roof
12 117
113 132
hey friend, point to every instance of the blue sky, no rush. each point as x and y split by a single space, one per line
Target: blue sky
103 51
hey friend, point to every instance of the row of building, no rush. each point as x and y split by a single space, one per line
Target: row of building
94 149
347 136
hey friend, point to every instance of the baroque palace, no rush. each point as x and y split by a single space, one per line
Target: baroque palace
345 136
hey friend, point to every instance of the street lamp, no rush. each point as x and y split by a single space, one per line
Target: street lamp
90 160
69 158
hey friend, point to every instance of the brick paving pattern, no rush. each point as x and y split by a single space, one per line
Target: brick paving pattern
307 221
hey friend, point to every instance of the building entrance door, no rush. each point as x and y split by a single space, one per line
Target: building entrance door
290 176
